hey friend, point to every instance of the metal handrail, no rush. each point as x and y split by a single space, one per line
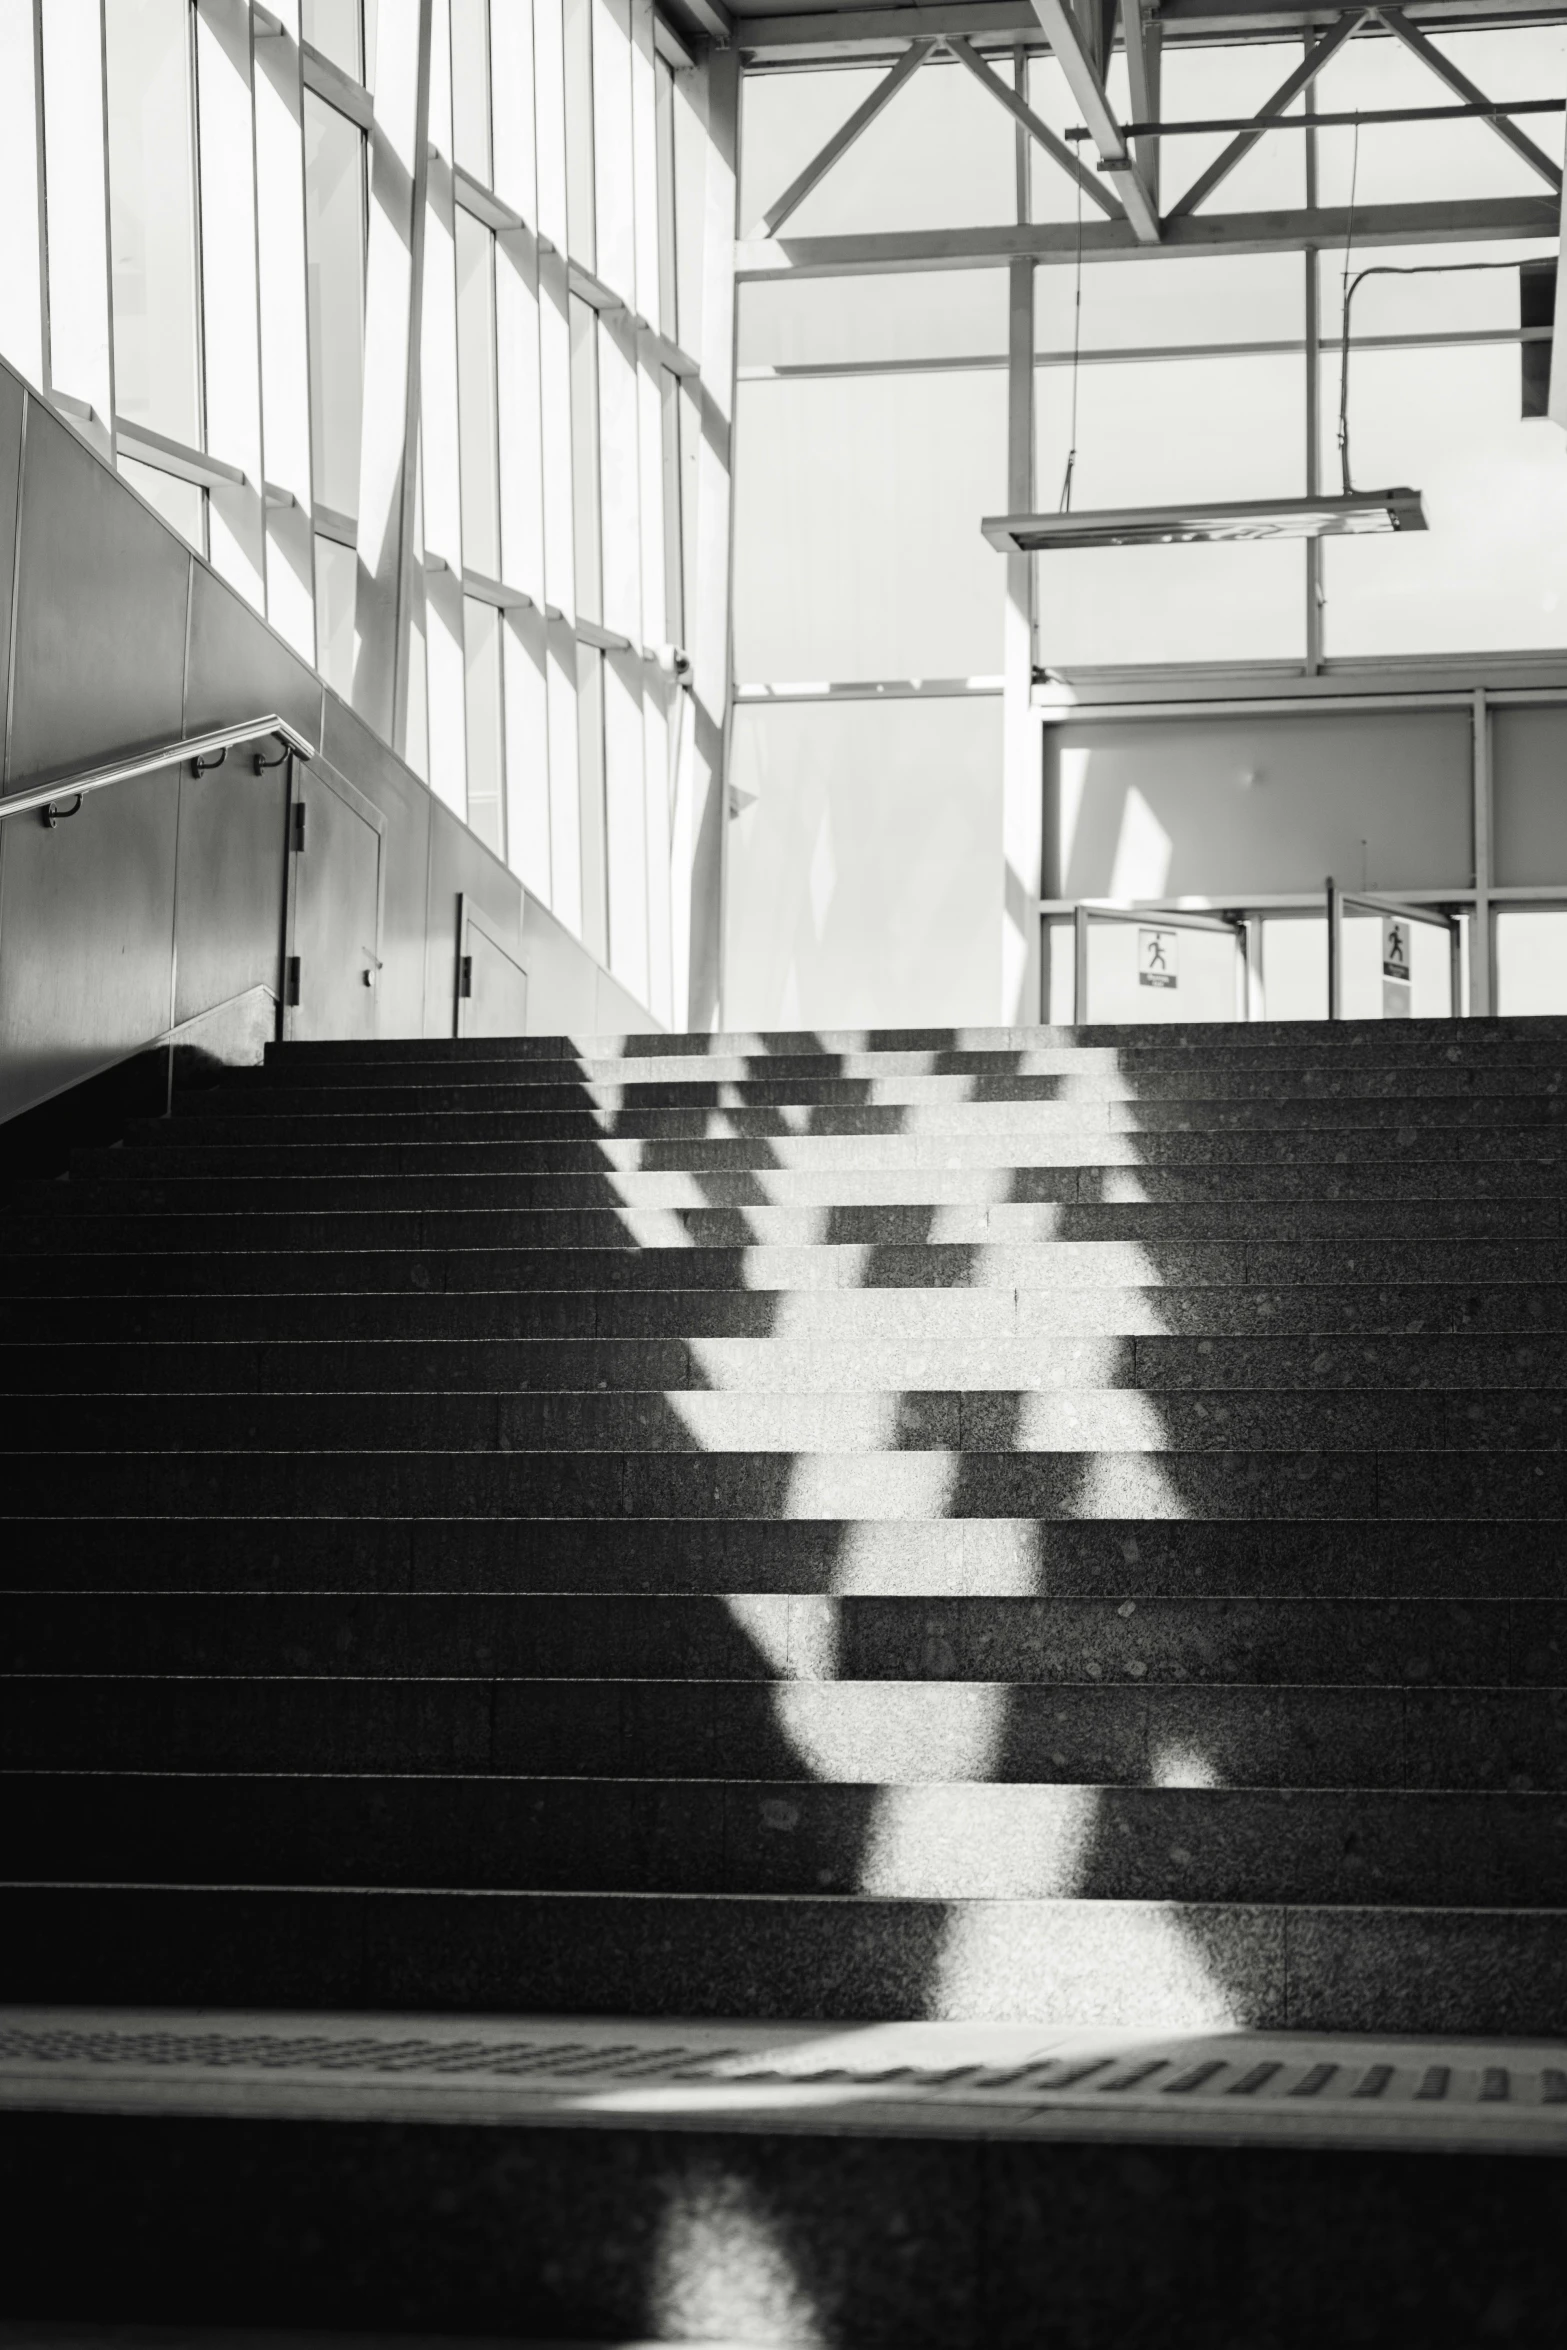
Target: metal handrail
202 749
1087 910
1439 917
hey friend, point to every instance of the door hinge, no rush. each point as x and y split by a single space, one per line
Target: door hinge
299 826
291 981
465 975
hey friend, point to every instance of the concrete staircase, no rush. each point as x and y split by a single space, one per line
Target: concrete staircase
1034 1525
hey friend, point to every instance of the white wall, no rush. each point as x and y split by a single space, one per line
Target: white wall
864 883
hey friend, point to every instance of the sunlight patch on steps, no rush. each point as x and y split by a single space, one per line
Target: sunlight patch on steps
1177 1763
722 2265
1138 1965
862 1734
917 1848
1128 1485
892 1484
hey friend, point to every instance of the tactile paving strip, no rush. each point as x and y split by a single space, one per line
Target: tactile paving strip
799 2077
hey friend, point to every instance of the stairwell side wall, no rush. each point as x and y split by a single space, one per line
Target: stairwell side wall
162 902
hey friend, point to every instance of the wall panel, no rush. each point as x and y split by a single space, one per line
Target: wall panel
97 669
86 928
1154 808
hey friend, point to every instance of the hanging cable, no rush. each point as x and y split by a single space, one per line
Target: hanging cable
1077 344
1344 293
1351 286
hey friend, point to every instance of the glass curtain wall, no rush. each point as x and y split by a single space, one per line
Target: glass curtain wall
558 444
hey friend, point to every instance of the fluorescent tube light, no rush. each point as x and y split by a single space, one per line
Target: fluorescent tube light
1363 513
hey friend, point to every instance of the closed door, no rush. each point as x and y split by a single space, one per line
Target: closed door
492 986
335 853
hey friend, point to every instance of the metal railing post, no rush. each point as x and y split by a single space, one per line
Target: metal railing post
1335 952
1456 964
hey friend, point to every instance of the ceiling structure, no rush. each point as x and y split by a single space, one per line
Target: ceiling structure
1117 167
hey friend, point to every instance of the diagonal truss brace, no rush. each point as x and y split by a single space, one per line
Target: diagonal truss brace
843 138
1065 35
1445 70
1290 88
1018 107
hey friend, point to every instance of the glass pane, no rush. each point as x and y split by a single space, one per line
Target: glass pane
590 785
674 570
940 314
1150 433
1295 967
867 834
337 575
1132 607
857 545
585 457
152 208
180 503
664 132
1200 84
1491 572
471 86
1130 305
1203 964
1414 162
476 395
1531 957
1227 428
332 26
1419 289
486 769
335 262
691 201
940 155
577 28
1241 808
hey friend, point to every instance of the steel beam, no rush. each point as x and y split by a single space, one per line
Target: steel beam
1020 110
1444 69
1065 36
1455 221
1289 89
842 32
844 136
1144 38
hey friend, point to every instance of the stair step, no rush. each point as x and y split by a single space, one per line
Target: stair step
1152 1964
457 1118
1494 1367
173 1145
159 1180
1346 1038
377 1227
1380 1558
1288 1047
859 1419
1266 1636
939 1318
1221 1483
789 1837
1043 1266
847 1732
478 1088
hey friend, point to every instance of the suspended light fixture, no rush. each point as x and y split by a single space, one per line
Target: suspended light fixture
1204 522
1362 513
